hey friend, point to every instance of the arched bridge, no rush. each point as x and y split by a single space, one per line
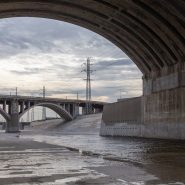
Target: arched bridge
150 32
12 108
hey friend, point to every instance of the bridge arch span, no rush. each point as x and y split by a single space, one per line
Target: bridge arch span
5 115
151 33
56 108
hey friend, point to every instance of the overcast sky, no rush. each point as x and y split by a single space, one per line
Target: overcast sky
36 52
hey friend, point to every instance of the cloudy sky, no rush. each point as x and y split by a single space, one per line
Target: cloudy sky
38 52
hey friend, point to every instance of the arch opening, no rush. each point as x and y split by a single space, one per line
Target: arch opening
56 108
109 56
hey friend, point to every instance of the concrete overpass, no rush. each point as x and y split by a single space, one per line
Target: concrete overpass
150 32
12 108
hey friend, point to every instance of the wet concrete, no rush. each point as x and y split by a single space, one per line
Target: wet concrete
25 161
72 156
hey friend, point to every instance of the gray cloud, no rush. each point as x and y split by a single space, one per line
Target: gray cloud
49 36
55 51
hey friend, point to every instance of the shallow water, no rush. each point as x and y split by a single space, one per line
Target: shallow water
136 149
87 158
163 160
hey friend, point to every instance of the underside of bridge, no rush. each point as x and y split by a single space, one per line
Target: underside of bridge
150 32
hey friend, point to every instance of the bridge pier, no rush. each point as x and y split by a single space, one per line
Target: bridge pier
76 110
164 103
159 113
22 107
83 110
13 123
4 105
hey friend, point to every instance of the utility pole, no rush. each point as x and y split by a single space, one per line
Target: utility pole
44 108
16 91
77 96
44 92
88 71
120 93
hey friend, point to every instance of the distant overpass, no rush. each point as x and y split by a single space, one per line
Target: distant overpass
12 108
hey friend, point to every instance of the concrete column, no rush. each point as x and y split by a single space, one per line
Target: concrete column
4 105
162 99
64 106
22 107
92 110
13 123
97 110
164 104
67 107
28 104
4 126
9 108
76 110
71 109
83 110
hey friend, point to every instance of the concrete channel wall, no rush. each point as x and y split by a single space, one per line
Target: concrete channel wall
126 110
125 118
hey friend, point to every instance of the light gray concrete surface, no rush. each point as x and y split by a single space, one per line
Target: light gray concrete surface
158 130
127 110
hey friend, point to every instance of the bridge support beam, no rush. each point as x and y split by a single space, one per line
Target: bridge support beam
76 110
164 104
13 123
83 110
159 113
4 105
22 107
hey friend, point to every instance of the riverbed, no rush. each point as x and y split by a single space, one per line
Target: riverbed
74 153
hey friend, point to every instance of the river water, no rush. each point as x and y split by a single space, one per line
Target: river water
92 159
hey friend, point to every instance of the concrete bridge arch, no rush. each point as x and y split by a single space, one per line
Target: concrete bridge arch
150 32
5 115
56 108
